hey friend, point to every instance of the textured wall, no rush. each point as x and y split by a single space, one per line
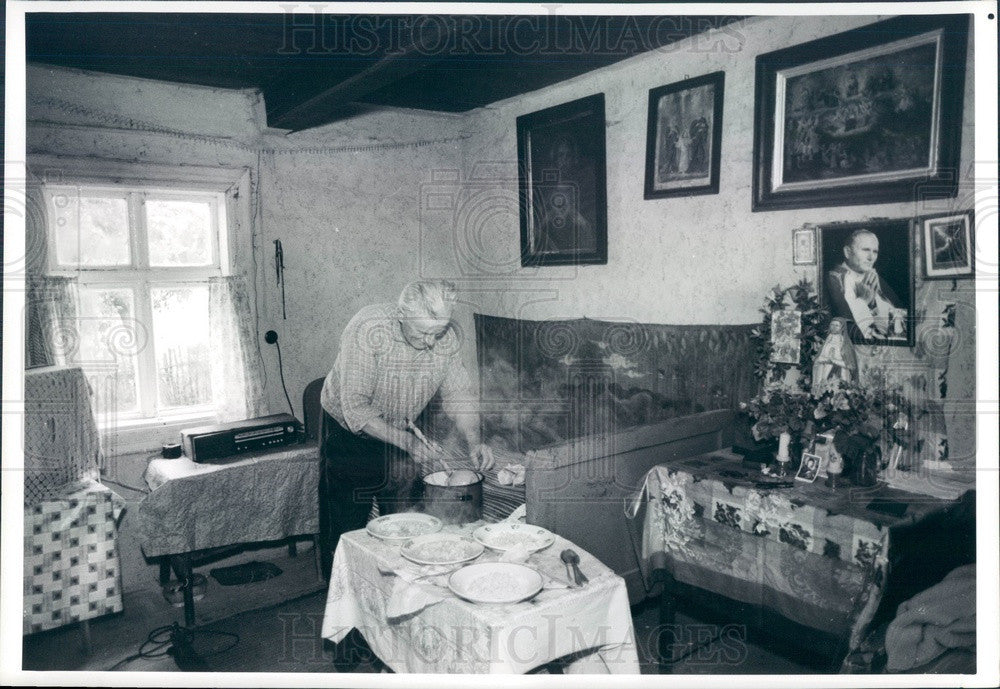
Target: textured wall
697 259
344 202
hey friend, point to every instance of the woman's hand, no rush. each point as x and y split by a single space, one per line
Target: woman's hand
482 457
427 454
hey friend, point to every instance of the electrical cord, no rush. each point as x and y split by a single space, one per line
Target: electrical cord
162 641
281 373
271 337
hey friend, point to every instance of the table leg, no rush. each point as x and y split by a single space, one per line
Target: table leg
665 632
293 550
164 570
182 566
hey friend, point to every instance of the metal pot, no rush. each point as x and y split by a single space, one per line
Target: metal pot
453 504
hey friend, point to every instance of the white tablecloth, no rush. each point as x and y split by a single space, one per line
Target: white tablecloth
456 636
264 496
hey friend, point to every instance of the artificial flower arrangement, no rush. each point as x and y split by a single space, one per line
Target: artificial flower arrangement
864 420
861 419
778 410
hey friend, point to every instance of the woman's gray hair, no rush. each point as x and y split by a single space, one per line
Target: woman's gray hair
433 298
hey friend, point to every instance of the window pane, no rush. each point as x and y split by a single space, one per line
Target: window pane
180 326
180 232
110 339
90 230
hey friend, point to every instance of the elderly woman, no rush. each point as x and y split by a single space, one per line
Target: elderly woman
393 359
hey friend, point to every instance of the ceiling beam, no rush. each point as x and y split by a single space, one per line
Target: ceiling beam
391 68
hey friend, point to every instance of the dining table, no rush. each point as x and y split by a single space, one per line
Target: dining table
415 623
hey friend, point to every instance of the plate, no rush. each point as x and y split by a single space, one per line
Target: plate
403 526
495 582
441 549
505 536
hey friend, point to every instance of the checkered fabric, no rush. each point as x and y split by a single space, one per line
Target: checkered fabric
60 434
71 569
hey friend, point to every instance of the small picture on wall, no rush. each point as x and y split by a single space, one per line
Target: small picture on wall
868 279
683 137
804 246
948 247
786 333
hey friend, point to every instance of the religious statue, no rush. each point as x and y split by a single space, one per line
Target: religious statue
836 360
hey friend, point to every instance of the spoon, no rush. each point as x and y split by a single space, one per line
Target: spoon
571 559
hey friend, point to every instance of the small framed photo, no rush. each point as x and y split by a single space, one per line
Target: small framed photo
804 246
809 468
948 249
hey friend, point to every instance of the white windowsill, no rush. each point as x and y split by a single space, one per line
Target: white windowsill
133 436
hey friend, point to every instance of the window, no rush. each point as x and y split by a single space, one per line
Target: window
143 258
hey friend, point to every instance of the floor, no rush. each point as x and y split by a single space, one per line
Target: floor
273 626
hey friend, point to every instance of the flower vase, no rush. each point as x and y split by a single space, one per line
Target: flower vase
783 456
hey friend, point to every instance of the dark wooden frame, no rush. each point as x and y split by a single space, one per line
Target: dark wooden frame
939 181
586 114
717 81
926 249
842 230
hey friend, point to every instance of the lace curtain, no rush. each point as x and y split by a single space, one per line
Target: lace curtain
236 365
51 334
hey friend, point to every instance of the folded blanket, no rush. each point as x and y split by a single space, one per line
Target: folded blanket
934 621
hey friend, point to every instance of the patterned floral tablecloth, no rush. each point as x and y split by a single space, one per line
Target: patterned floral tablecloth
456 636
816 556
71 570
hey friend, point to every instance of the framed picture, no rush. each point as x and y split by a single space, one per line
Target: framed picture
947 244
804 246
867 278
809 468
866 116
563 197
684 137
786 334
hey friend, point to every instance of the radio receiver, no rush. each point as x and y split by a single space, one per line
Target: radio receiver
206 444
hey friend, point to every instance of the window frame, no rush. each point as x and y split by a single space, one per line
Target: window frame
230 190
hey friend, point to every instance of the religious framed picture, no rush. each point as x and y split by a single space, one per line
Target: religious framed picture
804 246
872 115
562 184
947 246
867 278
684 137
786 336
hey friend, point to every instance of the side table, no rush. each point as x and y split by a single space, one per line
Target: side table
196 510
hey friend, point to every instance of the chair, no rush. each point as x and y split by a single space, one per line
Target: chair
312 411
313 419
